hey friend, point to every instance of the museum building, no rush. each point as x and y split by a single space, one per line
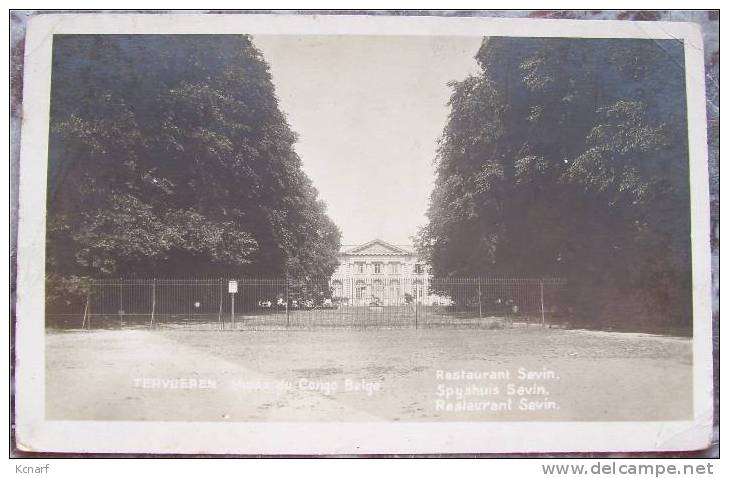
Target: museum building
380 273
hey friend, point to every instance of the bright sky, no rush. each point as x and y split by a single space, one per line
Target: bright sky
368 111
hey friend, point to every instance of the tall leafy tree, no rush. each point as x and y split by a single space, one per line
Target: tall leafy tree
569 157
169 156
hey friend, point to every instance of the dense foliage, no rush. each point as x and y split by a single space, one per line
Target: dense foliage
569 158
169 157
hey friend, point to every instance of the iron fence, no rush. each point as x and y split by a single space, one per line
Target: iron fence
340 302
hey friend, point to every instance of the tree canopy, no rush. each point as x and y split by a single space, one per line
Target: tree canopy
569 157
169 156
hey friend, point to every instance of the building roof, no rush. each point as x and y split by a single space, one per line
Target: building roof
376 247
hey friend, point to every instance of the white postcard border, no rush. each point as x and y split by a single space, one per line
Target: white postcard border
34 433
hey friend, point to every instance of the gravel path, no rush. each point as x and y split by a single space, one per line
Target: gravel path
526 374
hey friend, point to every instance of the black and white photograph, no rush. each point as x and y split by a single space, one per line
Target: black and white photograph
416 235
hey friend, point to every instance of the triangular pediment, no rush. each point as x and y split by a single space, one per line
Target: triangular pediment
377 247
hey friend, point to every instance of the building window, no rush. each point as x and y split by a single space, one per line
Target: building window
395 268
418 268
360 267
338 289
377 290
378 269
360 290
394 291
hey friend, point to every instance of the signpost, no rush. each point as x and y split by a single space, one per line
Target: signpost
232 290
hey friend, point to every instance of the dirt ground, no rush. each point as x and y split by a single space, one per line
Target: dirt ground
526 374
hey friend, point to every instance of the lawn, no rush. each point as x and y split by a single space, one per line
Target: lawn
521 373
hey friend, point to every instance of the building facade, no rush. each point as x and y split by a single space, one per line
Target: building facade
380 273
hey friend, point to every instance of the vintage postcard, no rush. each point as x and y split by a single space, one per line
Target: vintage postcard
332 234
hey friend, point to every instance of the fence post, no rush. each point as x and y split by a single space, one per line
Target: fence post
86 312
121 303
232 311
525 284
416 311
286 300
480 315
154 301
89 321
220 308
541 293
